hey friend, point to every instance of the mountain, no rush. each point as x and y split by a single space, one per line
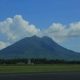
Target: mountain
36 47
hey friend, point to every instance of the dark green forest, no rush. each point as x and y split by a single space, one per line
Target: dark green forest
36 61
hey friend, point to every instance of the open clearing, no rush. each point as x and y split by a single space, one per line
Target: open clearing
39 68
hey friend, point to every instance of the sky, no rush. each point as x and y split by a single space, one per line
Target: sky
57 19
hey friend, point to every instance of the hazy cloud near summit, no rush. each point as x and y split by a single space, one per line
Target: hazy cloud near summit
16 28
60 32
3 44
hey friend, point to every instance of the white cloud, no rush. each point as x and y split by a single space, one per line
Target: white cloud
74 29
56 31
60 32
17 28
3 44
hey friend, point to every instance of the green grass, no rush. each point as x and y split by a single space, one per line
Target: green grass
39 68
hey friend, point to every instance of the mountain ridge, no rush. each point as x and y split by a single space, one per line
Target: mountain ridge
38 47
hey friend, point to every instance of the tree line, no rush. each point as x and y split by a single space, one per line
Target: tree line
36 61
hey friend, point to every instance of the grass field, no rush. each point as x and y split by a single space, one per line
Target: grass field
39 68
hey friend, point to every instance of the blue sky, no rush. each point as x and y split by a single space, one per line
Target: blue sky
43 14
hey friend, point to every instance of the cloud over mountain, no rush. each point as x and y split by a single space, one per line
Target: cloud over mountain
3 44
16 28
60 32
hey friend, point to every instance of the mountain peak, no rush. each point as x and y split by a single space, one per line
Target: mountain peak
37 47
34 36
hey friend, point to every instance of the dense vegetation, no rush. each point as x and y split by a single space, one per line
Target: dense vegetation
36 61
37 65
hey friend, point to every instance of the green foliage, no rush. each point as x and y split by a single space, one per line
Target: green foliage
36 61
